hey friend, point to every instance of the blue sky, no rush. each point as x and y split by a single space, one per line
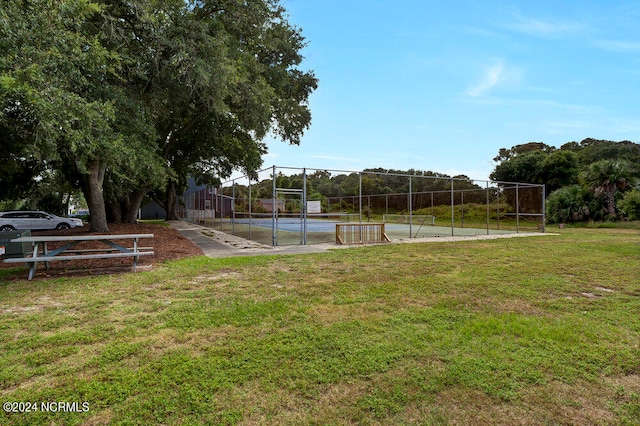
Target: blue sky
443 85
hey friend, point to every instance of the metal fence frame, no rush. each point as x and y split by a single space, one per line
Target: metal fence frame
193 207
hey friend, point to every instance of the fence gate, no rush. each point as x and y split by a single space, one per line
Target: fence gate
289 217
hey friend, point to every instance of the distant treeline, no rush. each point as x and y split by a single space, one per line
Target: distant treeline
383 190
588 180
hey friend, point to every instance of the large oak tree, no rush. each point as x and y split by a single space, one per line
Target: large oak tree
52 112
217 78
128 96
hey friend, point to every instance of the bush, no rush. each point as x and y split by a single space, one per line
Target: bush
629 204
567 205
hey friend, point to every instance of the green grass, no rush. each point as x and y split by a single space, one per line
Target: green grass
160 222
539 330
634 224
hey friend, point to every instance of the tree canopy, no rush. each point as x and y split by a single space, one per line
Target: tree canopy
127 97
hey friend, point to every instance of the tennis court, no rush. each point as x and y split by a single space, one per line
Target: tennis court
397 229
299 207
289 231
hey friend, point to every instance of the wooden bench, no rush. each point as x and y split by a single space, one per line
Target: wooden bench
359 233
42 254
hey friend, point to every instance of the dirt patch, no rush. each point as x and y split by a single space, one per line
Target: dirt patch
167 243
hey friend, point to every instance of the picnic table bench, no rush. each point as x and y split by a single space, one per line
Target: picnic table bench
42 254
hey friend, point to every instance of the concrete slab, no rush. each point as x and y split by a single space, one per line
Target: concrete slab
219 244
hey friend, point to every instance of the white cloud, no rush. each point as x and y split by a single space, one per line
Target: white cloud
492 77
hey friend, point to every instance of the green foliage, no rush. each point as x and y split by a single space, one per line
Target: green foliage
507 154
554 169
605 168
560 168
471 213
629 204
383 192
608 178
62 105
123 97
48 99
568 205
591 150
223 78
521 168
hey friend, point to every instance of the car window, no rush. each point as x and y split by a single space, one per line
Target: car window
42 215
15 215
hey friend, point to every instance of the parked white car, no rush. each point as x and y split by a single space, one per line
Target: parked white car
35 220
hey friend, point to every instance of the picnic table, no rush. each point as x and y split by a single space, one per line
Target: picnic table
41 252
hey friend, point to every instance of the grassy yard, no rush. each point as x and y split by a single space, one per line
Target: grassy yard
539 330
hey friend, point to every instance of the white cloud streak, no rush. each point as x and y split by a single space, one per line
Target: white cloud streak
492 77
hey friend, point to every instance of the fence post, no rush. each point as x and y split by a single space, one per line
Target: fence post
487 207
211 206
462 206
274 233
303 209
452 209
498 206
410 205
517 209
544 208
250 207
233 207
432 215
220 197
360 203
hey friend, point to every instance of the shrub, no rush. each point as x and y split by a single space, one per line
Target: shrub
629 204
568 204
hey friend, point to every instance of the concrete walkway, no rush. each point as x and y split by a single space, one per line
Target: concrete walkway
219 244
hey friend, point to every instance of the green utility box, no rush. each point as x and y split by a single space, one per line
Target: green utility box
9 249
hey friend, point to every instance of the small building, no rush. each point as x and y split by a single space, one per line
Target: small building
267 204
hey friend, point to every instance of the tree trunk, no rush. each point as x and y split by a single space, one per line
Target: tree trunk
66 202
172 201
135 200
93 194
611 202
114 212
160 202
169 202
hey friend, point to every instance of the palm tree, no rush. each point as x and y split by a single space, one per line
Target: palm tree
608 177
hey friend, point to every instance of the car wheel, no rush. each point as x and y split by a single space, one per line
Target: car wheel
63 226
7 228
